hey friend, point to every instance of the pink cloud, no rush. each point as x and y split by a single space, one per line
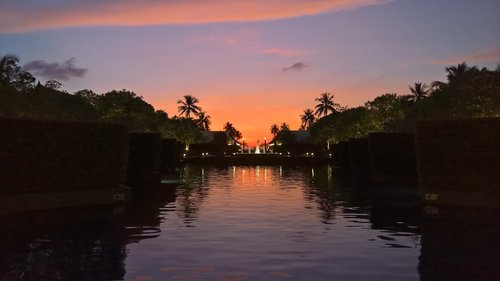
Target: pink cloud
20 18
490 55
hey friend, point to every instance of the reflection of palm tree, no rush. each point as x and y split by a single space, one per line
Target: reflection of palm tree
192 194
307 119
275 130
326 104
203 121
188 106
419 91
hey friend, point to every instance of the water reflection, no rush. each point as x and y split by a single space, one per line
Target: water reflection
78 244
461 245
62 246
250 223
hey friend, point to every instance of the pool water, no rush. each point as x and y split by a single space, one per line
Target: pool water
243 223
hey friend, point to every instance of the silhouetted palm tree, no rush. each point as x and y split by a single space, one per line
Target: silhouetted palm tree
232 132
457 76
457 72
228 127
307 119
275 129
284 127
188 106
326 105
204 121
419 91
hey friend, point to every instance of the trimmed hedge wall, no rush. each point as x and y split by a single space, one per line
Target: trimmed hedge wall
459 154
144 158
393 158
170 154
341 155
40 156
359 154
459 161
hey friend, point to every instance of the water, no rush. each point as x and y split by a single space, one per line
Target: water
246 223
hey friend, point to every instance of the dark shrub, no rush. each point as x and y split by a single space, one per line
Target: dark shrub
39 156
144 157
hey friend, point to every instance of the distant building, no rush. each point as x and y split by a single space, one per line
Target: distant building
295 143
219 137
213 143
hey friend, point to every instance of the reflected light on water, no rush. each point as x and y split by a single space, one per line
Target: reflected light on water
308 223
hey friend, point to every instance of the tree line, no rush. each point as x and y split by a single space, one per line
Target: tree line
469 92
21 96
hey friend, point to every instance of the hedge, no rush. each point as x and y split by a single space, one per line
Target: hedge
393 158
341 156
359 154
459 154
40 156
144 158
170 154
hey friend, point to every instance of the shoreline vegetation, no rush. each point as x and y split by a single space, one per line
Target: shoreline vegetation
52 132
469 92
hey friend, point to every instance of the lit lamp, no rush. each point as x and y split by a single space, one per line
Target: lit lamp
265 144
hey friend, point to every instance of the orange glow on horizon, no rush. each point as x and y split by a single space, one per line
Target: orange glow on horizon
254 114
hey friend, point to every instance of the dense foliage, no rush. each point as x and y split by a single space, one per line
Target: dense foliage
62 156
470 92
21 97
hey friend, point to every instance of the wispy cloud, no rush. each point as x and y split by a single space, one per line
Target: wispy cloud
32 15
491 55
58 71
298 66
281 52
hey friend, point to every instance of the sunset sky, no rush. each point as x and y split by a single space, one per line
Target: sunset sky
252 63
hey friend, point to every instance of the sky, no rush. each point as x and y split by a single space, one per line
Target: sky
251 63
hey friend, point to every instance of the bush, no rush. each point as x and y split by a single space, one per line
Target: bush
144 157
393 157
459 155
39 156
170 155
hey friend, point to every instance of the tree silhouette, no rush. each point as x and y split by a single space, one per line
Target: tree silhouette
284 127
307 119
128 108
326 105
419 91
203 121
8 64
88 95
232 132
188 106
12 74
53 84
458 76
275 129
458 72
